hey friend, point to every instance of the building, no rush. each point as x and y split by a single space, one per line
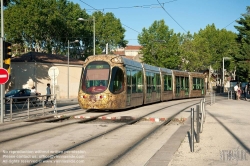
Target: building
31 69
131 52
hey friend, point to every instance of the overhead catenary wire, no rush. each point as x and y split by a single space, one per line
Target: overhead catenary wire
171 16
130 7
120 8
232 22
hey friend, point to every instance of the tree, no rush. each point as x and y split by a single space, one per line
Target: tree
243 59
208 47
160 45
43 24
109 30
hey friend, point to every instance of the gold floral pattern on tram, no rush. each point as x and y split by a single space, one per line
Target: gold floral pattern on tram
108 100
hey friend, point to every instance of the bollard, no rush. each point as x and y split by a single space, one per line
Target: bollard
43 106
11 109
214 97
211 98
197 124
192 130
28 105
204 110
231 95
55 105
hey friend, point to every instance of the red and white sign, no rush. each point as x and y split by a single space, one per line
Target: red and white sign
4 76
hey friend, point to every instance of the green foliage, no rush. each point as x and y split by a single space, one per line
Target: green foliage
208 47
243 59
44 24
47 25
160 45
109 30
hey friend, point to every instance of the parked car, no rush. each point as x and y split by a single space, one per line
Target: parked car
17 93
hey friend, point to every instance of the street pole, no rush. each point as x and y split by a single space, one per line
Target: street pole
94 34
1 65
68 69
224 58
210 75
223 75
82 19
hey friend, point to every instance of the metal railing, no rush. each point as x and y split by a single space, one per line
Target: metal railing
200 119
24 107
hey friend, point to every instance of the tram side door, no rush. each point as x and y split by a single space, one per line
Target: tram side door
202 87
186 86
129 87
178 86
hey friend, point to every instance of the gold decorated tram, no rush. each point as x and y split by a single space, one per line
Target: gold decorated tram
112 82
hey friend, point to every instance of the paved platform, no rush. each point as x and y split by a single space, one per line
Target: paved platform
225 139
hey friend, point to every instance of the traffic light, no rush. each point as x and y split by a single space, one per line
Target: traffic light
7 55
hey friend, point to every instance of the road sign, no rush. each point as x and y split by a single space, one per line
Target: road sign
53 72
4 76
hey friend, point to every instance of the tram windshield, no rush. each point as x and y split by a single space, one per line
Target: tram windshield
96 77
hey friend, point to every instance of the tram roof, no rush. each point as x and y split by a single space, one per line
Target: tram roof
165 70
149 67
196 74
130 62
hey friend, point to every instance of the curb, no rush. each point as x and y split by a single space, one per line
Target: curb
181 120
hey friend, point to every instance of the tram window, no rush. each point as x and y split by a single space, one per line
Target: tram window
158 83
117 80
83 81
128 81
198 85
149 80
186 83
139 81
194 83
154 82
167 82
178 82
182 83
93 74
134 81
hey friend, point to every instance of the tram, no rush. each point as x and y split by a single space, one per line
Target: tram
113 82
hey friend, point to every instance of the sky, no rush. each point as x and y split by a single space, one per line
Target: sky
179 15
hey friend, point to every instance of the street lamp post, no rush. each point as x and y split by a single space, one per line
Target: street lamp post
76 41
82 19
224 58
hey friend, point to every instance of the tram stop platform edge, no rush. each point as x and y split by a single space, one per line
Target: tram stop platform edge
225 139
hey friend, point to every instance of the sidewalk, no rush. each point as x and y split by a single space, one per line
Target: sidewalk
73 100
225 139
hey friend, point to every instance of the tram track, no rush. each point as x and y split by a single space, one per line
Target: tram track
52 119
151 132
80 143
44 130
119 127
48 119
